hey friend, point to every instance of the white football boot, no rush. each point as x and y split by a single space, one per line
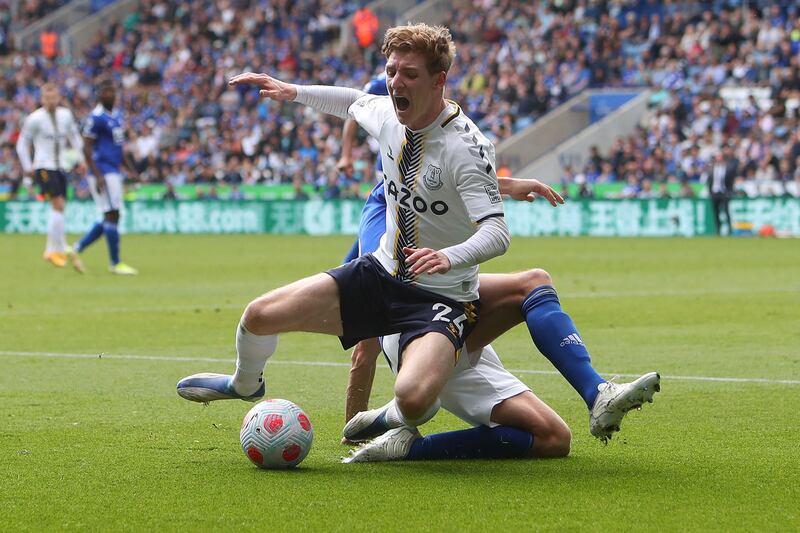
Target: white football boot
614 400
393 445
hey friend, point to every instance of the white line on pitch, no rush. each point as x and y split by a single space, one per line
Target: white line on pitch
566 295
338 364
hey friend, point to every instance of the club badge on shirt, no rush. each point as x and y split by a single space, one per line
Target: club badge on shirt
433 178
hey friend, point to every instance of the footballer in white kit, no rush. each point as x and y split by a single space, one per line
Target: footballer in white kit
440 183
444 217
440 186
50 131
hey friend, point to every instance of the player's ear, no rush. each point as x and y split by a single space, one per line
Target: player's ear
441 79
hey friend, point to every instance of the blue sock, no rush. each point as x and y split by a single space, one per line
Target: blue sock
482 442
91 236
112 239
557 338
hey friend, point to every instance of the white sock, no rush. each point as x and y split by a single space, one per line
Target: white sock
395 418
56 237
252 353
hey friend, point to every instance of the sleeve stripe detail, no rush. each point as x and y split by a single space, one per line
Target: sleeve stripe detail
493 215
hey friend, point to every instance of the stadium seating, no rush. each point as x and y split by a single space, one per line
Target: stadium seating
516 60
725 77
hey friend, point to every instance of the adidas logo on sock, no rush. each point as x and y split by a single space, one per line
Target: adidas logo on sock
572 339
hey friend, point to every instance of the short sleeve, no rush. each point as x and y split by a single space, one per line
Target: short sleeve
372 112
476 181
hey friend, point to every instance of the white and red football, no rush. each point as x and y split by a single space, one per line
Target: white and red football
276 434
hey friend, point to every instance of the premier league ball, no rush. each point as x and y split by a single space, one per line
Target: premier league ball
276 434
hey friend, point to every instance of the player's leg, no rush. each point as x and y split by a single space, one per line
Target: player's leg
310 304
510 421
427 362
96 231
556 336
56 248
551 435
426 366
53 186
113 199
551 329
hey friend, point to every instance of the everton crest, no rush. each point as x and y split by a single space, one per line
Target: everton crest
433 178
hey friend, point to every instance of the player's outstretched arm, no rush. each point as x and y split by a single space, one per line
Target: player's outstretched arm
526 190
270 87
331 100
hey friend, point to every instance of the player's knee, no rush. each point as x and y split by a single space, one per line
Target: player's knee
533 278
416 407
554 440
256 316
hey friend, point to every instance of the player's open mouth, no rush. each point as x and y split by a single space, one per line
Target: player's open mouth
401 102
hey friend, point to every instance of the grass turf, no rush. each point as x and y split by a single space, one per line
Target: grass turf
103 442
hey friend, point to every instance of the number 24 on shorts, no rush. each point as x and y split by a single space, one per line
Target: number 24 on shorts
444 310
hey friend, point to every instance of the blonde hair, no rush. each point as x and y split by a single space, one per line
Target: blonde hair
433 42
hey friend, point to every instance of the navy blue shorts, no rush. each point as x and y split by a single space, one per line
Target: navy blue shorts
374 304
52 183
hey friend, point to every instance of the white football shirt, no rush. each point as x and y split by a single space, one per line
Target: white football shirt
49 135
440 182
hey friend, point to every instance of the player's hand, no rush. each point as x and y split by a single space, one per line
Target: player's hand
270 87
345 165
526 190
100 183
426 260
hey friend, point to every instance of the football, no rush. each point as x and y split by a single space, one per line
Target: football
276 434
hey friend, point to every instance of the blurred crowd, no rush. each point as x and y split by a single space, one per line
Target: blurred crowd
515 61
29 11
726 87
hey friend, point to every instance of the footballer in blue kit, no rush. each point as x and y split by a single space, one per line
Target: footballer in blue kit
104 139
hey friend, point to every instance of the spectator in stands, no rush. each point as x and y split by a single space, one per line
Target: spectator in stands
48 42
366 24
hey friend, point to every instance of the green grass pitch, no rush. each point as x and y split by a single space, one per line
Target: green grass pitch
102 442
